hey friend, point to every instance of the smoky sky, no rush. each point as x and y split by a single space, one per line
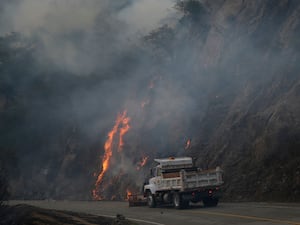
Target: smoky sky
97 58
79 35
98 38
95 38
90 51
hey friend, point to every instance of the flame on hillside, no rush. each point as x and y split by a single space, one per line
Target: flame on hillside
129 193
142 163
188 144
123 130
121 127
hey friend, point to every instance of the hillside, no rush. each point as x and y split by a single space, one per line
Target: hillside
251 125
239 62
223 74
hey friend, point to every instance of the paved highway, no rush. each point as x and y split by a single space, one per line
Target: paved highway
224 213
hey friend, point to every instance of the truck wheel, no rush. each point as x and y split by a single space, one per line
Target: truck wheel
151 200
210 202
177 201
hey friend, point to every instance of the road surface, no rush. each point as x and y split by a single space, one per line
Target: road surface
224 213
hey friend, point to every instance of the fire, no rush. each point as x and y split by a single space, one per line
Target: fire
123 130
142 163
129 193
188 144
121 125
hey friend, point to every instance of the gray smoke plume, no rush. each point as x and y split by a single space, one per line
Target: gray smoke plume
82 36
73 65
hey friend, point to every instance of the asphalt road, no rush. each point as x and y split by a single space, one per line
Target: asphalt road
224 213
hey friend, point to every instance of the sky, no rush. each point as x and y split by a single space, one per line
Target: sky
93 39
91 63
74 32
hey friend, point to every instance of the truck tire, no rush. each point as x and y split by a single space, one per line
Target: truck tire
210 202
151 200
178 202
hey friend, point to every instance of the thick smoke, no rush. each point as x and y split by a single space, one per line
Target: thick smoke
83 36
178 75
87 54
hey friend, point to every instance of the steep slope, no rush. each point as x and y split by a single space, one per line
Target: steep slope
224 75
251 126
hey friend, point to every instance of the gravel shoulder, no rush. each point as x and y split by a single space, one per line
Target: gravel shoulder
23 214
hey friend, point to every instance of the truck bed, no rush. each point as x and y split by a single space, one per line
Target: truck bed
188 180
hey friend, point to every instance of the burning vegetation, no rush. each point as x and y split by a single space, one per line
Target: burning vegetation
223 75
114 140
114 155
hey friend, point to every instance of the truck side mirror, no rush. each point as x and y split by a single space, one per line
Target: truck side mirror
151 172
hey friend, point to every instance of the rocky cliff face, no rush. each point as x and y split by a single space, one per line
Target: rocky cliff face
251 126
225 75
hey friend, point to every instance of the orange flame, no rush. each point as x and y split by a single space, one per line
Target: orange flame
142 163
188 144
123 130
129 193
123 120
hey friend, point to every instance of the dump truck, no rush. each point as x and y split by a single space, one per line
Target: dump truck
177 181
